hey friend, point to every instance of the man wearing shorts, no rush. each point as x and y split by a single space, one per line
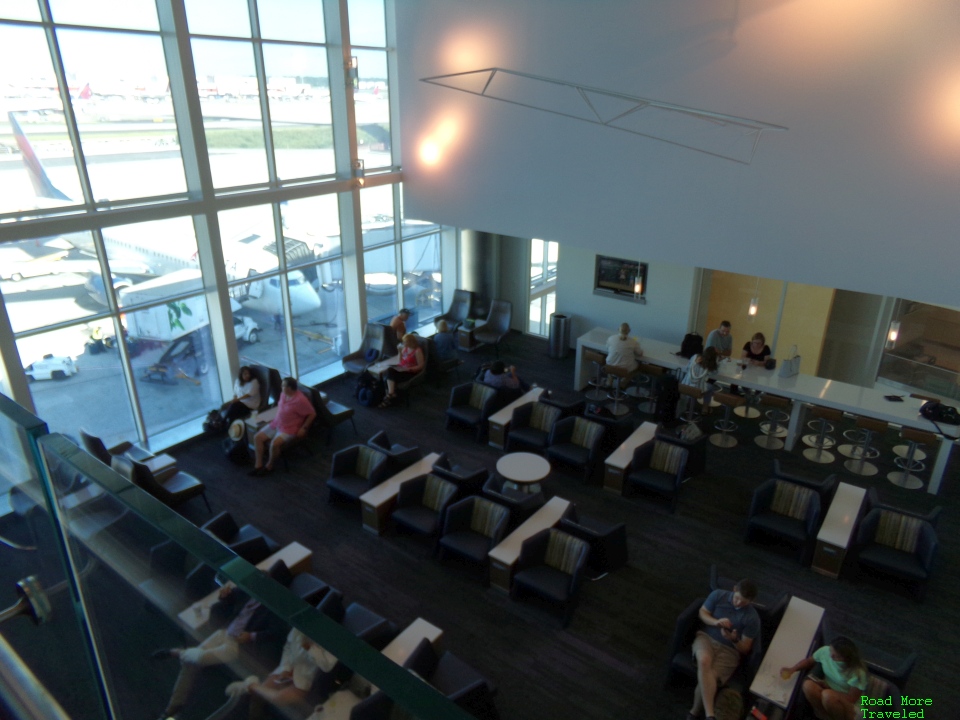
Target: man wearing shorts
295 413
731 625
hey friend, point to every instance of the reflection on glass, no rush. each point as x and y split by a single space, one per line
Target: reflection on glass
125 114
924 354
74 374
29 82
47 281
376 215
249 244
227 82
372 108
380 268
218 17
261 339
313 223
152 261
132 14
174 368
20 10
291 20
422 281
367 25
299 93
320 335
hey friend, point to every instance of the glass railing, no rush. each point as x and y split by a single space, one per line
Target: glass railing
920 375
139 577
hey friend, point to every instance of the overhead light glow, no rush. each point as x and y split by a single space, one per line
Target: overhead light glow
429 152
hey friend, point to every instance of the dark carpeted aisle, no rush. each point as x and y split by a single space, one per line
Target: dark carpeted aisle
610 661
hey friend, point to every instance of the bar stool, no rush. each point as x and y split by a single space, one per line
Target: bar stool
822 424
749 408
775 428
690 395
862 453
621 376
647 375
726 425
902 450
911 463
599 360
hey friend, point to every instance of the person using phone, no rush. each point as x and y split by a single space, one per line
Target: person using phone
837 679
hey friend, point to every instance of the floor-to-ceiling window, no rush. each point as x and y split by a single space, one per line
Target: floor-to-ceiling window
543 285
177 199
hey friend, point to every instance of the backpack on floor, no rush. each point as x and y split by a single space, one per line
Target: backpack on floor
215 423
692 345
369 392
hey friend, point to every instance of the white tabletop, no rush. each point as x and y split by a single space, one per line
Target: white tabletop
503 415
623 455
388 489
523 467
549 515
842 516
406 642
791 643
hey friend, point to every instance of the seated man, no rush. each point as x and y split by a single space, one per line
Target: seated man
444 342
251 624
721 340
732 624
501 376
399 322
622 350
295 413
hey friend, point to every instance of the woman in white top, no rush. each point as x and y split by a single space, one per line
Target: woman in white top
246 396
700 370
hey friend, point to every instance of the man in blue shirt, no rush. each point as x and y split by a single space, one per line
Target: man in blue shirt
731 626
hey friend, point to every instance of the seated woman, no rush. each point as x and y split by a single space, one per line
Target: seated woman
501 376
836 680
700 372
411 362
444 342
246 396
756 351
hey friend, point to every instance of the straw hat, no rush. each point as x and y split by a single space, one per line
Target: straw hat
237 430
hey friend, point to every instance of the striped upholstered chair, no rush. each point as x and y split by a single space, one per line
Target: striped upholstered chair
472 527
471 404
550 565
576 441
422 502
530 426
897 545
659 467
354 471
788 511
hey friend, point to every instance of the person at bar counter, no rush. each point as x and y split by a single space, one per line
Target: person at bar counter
721 340
756 351
837 679
731 624
622 350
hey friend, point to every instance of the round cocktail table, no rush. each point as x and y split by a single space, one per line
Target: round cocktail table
523 471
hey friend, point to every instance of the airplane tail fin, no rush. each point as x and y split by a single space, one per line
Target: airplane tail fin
86 93
38 176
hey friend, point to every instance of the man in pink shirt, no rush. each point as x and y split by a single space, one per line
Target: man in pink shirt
295 413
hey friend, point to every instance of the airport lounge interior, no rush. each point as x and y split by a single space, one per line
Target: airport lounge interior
380 359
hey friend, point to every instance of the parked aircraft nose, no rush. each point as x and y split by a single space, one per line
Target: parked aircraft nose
303 299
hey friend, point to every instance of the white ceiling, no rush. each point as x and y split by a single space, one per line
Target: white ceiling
860 192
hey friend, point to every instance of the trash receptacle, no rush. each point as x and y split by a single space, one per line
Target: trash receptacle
559 335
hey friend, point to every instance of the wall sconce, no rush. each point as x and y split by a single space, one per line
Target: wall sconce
754 301
638 287
358 171
893 333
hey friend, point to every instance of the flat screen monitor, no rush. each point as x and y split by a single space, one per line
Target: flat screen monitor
625 279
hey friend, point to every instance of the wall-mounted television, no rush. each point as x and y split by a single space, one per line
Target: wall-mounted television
623 279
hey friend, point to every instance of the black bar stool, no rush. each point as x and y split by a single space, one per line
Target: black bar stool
774 429
599 360
863 452
824 423
621 377
725 425
912 463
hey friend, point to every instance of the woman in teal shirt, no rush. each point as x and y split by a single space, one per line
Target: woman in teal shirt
834 691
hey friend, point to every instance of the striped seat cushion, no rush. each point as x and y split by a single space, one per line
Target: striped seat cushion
437 492
791 500
898 531
563 550
666 457
544 416
366 461
479 395
586 433
486 516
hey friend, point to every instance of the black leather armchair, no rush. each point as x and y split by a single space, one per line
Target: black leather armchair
331 413
371 349
522 505
172 491
354 471
472 527
398 456
471 404
576 441
788 511
305 586
469 480
247 541
874 501
550 565
608 541
496 326
421 503
530 426
659 467
455 679
96 447
460 309
899 546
